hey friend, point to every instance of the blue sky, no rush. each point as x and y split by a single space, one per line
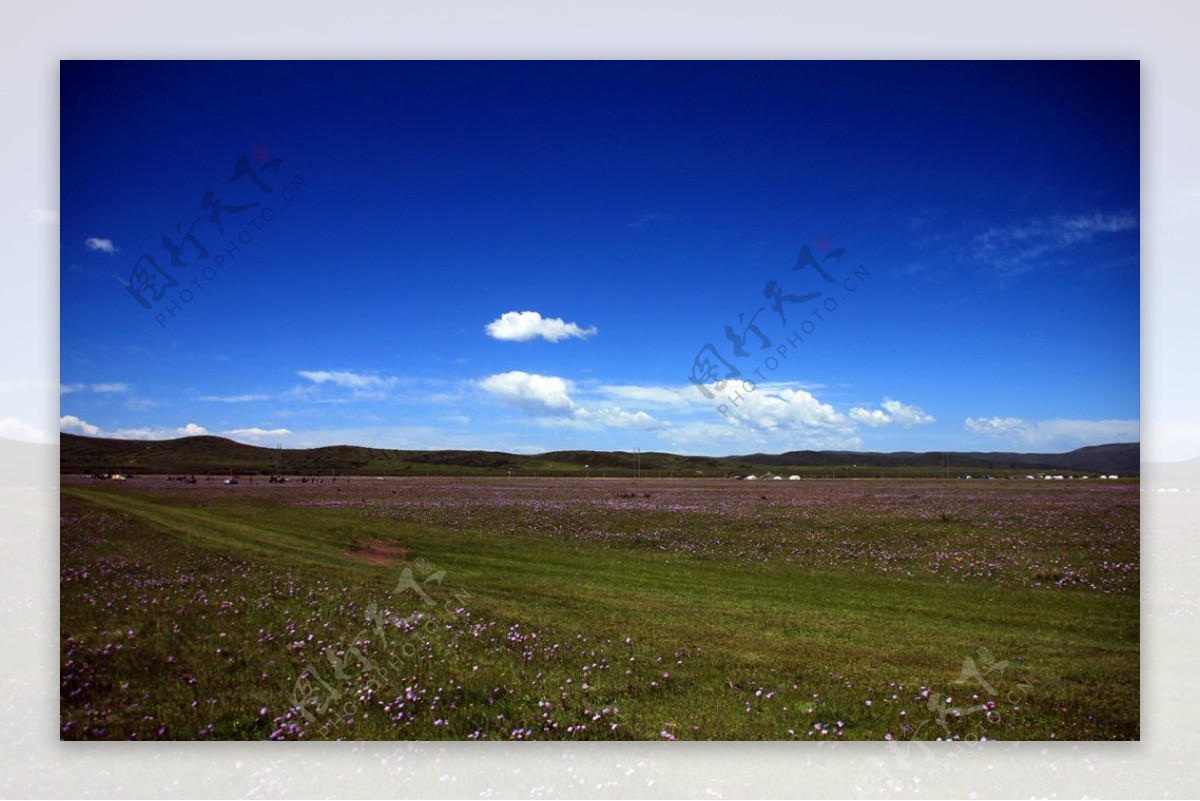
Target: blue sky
530 256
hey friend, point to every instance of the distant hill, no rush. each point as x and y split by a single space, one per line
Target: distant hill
1122 459
217 455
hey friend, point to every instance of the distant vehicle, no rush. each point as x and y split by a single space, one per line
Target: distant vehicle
777 478
752 478
793 478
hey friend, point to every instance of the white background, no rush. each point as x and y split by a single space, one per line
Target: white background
34 37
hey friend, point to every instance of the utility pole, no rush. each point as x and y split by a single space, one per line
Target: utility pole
639 462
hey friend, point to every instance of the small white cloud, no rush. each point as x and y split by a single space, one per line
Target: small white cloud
705 435
141 433
619 418
523 326
110 387
249 398
606 417
892 412
43 216
102 245
1055 434
998 426
349 380
256 432
536 394
1017 249
141 404
72 424
679 398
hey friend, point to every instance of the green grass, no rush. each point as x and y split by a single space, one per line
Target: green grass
752 648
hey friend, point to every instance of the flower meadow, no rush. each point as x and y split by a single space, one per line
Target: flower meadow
599 609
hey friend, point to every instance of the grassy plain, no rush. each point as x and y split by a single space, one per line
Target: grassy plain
432 608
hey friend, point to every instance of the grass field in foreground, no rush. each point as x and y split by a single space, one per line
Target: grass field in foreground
590 609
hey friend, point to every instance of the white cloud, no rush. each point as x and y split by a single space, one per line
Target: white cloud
892 412
102 245
141 404
550 400
43 216
12 428
361 384
72 424
189 430
784 410
1017 249
249 398
140 433
523 326
1056 434
723 439
115 386
345 378
1013 427
608 417
658 397
703 436
537 394
256 432
623 419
